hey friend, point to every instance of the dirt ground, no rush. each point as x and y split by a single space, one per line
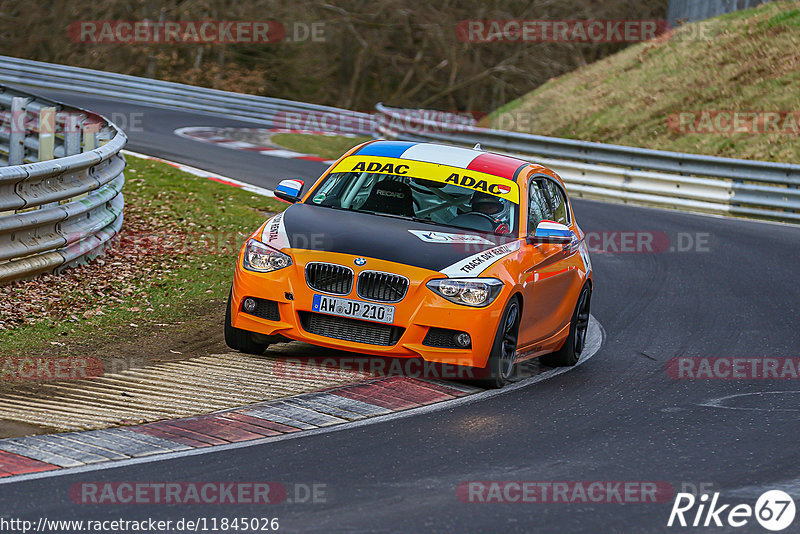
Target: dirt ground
200 336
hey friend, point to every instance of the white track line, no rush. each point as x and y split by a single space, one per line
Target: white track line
225 142
594 341
719 402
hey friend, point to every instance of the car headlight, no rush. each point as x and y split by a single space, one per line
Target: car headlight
260 258
477 292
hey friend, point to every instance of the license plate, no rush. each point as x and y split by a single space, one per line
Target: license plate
355 309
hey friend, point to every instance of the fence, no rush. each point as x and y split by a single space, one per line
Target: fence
626 174
694 10
247 108
592 170
60 193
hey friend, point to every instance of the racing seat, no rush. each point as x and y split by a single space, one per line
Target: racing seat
390 197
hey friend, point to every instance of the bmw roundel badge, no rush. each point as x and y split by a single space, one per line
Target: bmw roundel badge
360 261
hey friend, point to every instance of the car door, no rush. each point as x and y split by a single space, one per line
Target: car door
551 271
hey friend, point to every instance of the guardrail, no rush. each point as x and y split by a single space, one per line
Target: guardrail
626 174
592 170
60 193
249 108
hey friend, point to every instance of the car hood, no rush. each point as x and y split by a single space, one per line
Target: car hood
428 246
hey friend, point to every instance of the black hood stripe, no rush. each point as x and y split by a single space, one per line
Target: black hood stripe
374 236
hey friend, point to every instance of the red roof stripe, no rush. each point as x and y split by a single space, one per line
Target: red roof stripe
497 165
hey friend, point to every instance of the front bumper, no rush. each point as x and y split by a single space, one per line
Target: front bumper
419 311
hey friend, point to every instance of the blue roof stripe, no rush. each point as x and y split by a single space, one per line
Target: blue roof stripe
386 149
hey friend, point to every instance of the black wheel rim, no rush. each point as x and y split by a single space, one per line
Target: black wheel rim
509 344
581 321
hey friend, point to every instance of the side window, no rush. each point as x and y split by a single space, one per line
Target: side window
546 201
538 207
560 211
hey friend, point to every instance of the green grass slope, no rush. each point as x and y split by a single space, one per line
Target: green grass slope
747 61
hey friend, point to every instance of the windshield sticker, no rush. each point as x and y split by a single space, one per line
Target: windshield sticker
475 180
477 263
441 237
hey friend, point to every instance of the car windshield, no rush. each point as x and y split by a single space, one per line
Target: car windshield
406 197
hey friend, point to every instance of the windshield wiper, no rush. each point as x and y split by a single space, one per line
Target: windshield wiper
331 206
393 216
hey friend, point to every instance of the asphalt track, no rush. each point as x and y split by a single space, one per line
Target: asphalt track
618 417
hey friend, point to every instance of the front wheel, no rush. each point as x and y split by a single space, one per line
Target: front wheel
570 352
239 339
500 366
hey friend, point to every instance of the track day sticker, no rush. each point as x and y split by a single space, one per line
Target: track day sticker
477 263
274 233
441 237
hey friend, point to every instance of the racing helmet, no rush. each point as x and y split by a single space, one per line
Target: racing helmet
486 203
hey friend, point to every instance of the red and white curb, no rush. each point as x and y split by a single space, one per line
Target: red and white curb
217 136
308 411
206 174
338 408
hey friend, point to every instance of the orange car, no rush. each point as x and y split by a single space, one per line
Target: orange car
406 249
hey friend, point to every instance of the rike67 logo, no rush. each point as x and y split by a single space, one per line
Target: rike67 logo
774 510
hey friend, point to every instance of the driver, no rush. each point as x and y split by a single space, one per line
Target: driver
492 207
486 204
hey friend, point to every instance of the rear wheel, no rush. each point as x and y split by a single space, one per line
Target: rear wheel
239 339
500 366
570 352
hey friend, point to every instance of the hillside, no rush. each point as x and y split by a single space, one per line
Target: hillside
680 92
336 52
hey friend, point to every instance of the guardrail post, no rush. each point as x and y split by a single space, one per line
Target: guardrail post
90 136
47 140
16 143
47 133
90 130
72 134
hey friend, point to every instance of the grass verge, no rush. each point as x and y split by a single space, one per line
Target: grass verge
171 263
325 146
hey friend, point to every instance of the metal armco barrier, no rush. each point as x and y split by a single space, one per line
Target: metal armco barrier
617 173
276 112
599 171
60 193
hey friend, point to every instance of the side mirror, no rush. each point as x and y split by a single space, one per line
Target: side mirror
551 232
289 190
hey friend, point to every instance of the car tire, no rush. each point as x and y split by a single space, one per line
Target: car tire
570 352
500 366
239 339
